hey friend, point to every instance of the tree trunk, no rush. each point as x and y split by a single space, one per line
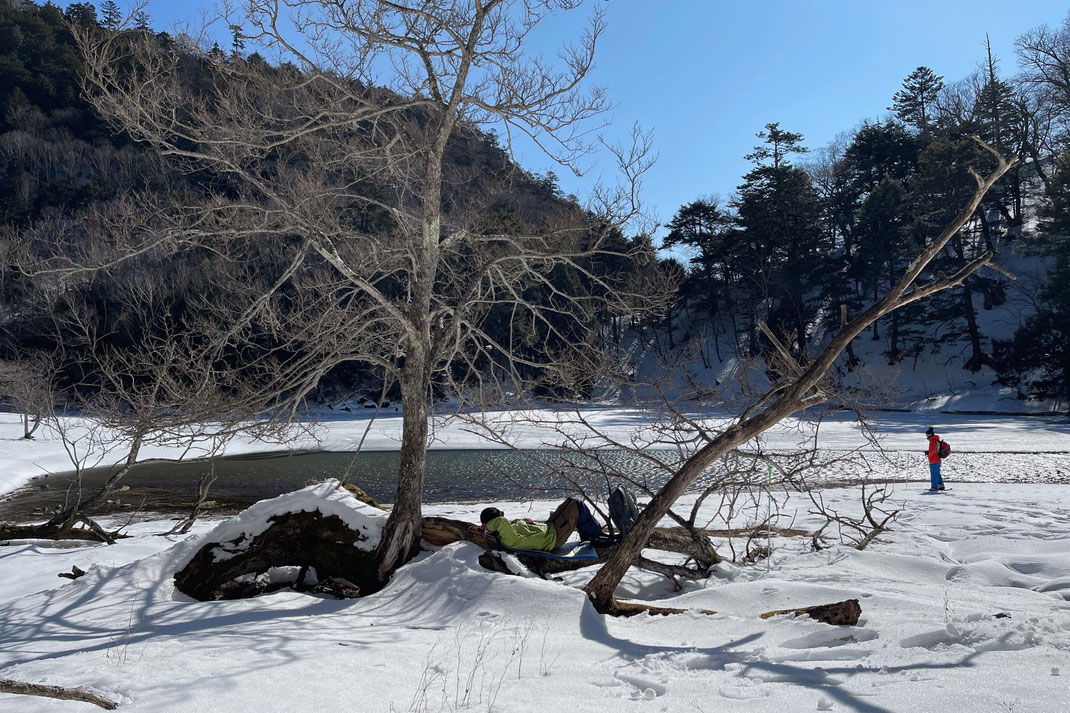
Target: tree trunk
844 613
602 587
293 539
893 351
68 518
893 346
800 326
977 357
986 230
401 535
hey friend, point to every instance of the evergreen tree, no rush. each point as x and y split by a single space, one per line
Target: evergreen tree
913 104
942 184
783 245
1039 353
81 13
883 249
237 42
142 21
111 14
1000 124
703 227
776 146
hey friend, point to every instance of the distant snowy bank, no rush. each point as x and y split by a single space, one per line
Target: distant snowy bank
897 431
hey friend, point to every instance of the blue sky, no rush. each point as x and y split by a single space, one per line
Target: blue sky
706 75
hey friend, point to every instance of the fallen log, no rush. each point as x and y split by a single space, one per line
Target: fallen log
45 531
81 693
312 541
845 613
440 531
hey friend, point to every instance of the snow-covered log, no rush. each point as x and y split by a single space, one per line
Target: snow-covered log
321 537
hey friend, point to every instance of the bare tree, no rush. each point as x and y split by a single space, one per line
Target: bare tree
338 165
795 386
1044 54
860 531
29 383
137 377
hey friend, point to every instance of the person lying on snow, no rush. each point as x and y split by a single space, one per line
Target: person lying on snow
526 534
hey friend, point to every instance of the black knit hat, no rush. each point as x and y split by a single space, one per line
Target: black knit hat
489 514
929 431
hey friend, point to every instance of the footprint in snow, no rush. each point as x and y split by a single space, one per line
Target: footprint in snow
838 636
642 687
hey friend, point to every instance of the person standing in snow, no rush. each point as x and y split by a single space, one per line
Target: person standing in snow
936 482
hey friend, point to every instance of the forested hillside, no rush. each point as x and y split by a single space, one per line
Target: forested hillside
811 233
76 190
809 236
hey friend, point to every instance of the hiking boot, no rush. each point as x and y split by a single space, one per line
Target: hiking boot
604 540
941 487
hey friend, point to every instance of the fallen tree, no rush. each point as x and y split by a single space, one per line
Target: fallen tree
796 383
442 531
311 551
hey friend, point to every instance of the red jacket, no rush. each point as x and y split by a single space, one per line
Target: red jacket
934 443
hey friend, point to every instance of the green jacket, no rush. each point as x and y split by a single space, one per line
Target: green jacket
524 535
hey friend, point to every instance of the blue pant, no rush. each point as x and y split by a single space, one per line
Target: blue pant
586 524
935 480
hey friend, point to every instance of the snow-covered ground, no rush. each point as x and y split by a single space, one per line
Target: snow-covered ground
448 635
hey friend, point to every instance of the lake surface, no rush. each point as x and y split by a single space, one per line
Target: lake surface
486 476
451 476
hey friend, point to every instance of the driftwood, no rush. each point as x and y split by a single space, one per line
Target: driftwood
844 613
46 531
296 539
81 693
75 573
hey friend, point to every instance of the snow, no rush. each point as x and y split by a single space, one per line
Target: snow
446 634
966 605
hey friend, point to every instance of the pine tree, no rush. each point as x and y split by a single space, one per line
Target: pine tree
1040 350
884 245
783 245
237 42
777 145
702 226
942 183
142 21
913 104
112 15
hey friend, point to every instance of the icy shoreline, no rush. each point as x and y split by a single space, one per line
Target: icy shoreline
1016 438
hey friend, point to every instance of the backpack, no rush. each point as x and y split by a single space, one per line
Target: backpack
943 450
623 511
